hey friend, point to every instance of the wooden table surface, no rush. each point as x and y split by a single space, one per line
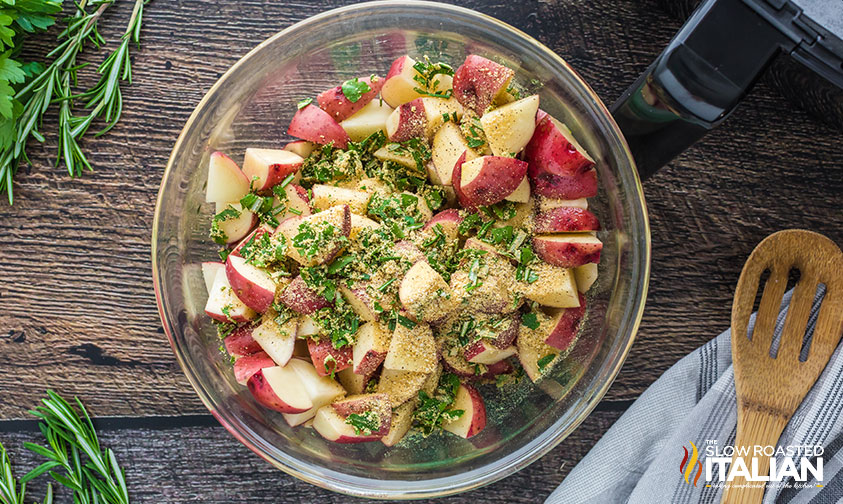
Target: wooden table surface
79 313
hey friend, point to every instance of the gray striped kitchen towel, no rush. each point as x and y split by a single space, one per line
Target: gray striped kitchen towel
642 458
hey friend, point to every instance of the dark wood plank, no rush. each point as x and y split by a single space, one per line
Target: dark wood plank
79 312
207 465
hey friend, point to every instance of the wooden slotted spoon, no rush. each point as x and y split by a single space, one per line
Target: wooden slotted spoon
770 389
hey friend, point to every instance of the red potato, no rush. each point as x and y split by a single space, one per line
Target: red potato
477 244
255 235
420 118
209 272
503 336
411 349
449 220
554 287
338 216
409 251
547 204
565 219
400 85
240 341
367 121
400 424
300 298
307 327
226 181
360 300
301 147
532 349
393 152
333 427
568 250
473 419
484 352
446 148
296 201
315 125
278 341
555 151
326 359
267 168
252 285
370 348
521 194
585 275
223 305
489 179
401 386
583 185
478 81
455 362
236 228
247 365
339 107
510 127
321 390
326 196
353 382
280 389
565 326
359 223
425 294
378 404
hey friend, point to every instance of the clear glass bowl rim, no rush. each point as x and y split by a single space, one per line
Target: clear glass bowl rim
511 462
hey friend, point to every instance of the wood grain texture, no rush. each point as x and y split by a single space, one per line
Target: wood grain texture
201 464
79 311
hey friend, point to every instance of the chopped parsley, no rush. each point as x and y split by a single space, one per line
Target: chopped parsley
265 250
330 364
364 423
315 238
432 412
473 132
304 103
426 77
545 361
338 322
530 320
354 89
217 234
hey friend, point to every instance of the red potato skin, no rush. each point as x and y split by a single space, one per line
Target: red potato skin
478 420
565 219
566 255
300 298
363 404
262 391
583 185
396 67
456 177
478 81
255 298
550 152
334 102
240 341
498 178
314 124
370 362
567 327
449 219
322 349
412 121
222 318
492 370
246 366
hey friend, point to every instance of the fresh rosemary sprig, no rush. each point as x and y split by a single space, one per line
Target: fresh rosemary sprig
74 456
55 85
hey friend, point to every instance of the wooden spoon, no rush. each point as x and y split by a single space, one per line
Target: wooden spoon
770 389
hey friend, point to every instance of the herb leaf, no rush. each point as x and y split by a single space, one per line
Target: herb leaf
304 103
364 423
354 89
530 320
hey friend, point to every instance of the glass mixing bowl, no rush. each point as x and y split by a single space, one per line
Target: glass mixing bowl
252 104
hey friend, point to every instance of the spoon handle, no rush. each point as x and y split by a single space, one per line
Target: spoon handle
758 426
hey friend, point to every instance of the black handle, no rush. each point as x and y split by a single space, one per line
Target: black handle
697 81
